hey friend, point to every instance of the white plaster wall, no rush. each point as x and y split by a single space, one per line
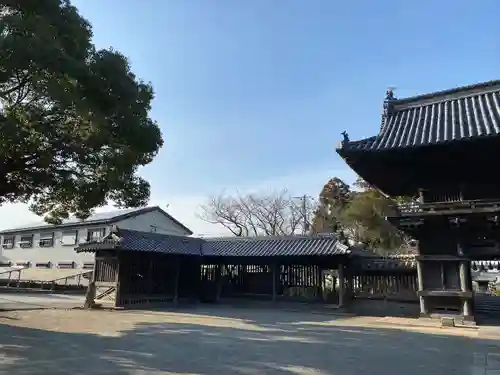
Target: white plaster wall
148 222
152 222
55 254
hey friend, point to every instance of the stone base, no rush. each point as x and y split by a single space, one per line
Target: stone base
455 320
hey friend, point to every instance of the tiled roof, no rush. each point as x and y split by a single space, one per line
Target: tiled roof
96 219
459 114
125 239
274 246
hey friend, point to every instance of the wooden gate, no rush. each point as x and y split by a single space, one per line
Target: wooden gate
106 281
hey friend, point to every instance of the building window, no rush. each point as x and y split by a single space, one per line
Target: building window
8 242
69 238
46 239
95 234
66 265
43 265
26 241
154 228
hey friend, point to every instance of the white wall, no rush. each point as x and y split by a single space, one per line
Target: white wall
153 221
148 222
54 254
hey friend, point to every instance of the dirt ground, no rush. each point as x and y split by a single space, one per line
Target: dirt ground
236 341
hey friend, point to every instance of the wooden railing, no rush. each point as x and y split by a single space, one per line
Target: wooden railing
416 207
63 282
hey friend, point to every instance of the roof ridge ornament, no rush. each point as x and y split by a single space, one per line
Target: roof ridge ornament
387 107
346 139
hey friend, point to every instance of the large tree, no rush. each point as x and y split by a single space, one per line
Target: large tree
359 214
271 214
333 199
74 123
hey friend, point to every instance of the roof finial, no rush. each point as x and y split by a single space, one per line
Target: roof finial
389 94
389 97
346 140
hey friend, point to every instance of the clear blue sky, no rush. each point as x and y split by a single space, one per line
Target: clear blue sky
259 90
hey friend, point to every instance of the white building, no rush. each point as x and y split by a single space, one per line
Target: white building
42 245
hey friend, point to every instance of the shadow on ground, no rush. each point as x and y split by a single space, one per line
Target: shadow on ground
213 343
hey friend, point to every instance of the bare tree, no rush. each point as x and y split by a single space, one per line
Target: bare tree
272 214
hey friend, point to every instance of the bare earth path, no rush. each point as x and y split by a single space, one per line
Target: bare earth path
219 341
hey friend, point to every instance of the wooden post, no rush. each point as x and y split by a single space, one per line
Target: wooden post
340 273
150 275
90 295
273 270
464 285
423 307
176 282
119 258
91 288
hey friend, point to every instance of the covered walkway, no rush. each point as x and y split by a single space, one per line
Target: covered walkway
134 267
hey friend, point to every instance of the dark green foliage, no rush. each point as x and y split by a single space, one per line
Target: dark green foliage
359 215
74 123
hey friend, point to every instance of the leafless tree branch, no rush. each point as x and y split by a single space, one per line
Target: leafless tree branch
256 214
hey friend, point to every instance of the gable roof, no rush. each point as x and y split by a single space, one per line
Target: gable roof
101 218
133 240
458 114
130 240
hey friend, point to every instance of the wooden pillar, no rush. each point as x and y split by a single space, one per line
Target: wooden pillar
91 288
176 280
340 273
423 307
464 285
150 274
464 276
119 259
90 295
274 276
218 281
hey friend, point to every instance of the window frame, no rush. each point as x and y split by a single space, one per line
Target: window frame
102 231
43 265
30 240
66 265
75 232
45 236
11 246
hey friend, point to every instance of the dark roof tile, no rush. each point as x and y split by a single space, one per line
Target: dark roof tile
125 239
131 240
274 246
459 114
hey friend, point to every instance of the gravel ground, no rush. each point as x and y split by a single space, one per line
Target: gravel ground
219 341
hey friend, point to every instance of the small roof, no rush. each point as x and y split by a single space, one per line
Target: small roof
100 218
458 114
130 240
275 246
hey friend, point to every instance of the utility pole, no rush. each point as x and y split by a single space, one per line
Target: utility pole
304 199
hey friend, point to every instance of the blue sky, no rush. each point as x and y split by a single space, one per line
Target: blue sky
254 94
